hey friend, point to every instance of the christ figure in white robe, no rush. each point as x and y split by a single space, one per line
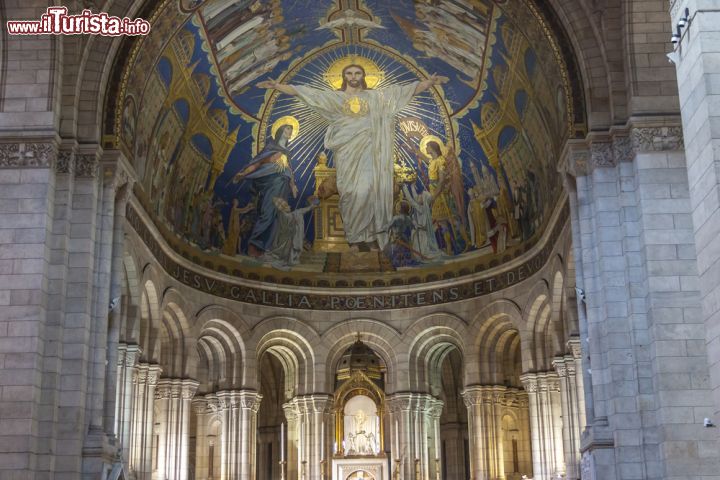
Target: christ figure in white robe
361 134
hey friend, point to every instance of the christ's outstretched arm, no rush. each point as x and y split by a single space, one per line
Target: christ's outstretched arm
434 79
281 87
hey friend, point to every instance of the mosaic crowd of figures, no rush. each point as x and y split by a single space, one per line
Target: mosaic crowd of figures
259 138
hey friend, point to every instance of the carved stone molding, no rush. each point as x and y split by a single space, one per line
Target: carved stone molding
656 139
86 166
530 382
602 155
28 155
65 162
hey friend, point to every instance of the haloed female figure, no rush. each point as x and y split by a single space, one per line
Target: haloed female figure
272 177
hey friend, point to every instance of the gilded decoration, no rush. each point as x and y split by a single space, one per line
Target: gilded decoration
258 153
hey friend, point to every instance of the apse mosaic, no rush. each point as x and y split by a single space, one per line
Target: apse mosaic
347 136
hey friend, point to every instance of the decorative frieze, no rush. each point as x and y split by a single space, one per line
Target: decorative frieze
86 166
607 150
656 139
65 162
28 155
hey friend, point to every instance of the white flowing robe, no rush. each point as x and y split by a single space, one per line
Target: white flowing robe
362 145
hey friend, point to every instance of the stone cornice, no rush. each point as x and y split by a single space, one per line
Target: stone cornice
621 144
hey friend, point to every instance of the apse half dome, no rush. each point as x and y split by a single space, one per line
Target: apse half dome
436 162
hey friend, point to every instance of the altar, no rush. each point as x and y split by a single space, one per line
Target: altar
358 451
360 468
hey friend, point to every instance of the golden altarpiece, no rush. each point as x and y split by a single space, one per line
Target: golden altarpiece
359 448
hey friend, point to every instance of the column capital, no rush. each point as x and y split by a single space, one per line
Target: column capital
313 403
483 394
117 170
398 402
128 354
291 411
87 161
244 399
199 405
574 346
176 388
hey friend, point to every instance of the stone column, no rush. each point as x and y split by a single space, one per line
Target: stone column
173 396
435 451
484 404
117 180
402 437
696 60
201 407
238 414
143 421
545 424
292 435
516 401
573 415
128 356
27 183
314 414
453 436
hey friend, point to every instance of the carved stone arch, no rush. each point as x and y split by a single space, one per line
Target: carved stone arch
536 314
150 317
384 340
292 343
501 311
228 325
96 58
587 48
132 293
431 339
490 342
222 334
174 309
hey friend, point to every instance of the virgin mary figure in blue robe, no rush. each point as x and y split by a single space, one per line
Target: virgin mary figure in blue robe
272 176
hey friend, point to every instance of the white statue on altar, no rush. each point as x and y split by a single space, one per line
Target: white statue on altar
362 427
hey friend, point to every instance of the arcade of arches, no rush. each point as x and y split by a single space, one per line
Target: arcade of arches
493 258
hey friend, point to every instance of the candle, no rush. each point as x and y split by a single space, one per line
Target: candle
282 442
322 441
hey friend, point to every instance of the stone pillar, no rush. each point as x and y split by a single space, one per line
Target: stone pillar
202 409
238 414
143 421
128 356
696 59
484 404
173 396
292 435
641 295
573 415
515 402
408 425
27 183
545 424
117 180
314 413
453 437
435 448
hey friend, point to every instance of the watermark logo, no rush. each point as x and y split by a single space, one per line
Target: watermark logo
56 21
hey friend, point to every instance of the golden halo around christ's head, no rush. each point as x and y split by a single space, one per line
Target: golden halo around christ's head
286 120
373 74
